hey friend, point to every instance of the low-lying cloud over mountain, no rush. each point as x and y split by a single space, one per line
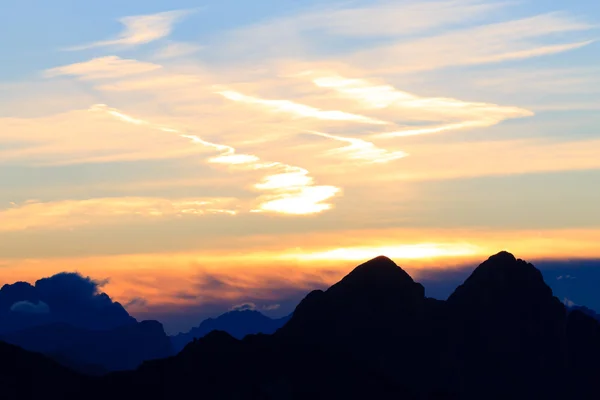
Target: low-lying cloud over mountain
65 297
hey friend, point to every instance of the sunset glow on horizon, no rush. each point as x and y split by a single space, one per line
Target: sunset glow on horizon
280 145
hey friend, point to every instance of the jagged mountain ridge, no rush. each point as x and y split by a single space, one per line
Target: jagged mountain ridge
237 323
84 350
502 334
375 334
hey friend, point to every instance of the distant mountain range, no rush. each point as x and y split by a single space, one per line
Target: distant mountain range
373 335
96 351
96 340
236 323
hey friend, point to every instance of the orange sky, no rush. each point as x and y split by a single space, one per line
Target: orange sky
261 264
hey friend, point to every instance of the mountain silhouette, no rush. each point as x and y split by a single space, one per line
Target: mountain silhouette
62 298
374 335
237 323
89 351
26 375
585 310
508 331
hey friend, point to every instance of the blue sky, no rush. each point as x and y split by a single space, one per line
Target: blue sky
190 138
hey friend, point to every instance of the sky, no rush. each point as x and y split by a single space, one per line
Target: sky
207 154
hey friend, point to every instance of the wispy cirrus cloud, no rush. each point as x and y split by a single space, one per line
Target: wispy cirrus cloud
297 109
514 39
358 149
456 114
81 136
361 19
393 19
411 36
238 118
140 29
66 214
109 67
290 188
177 49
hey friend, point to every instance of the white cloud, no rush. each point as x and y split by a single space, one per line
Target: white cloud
358 149
290 189
244 307
28 307
140 29
108 67
176 50
297 109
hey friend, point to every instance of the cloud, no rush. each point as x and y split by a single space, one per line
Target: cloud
64 297
291 190
568 303
459 114
408 36
323 143
70 285
555 81
314 28
140 29
565 277
454 160
298 110
163 82
176 50
271 307
259 287
74 213
484 44
96 135
244 307
108 67
28 307
253 307
393 19
136 302
186 296
217 271
360 150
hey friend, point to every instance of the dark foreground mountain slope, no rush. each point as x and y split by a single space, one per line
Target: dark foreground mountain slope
96 351
380 316
374 335
25 375
237 323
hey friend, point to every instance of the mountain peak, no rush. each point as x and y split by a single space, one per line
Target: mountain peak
379 264
373 291
503 276
380 271
503 256
504 267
